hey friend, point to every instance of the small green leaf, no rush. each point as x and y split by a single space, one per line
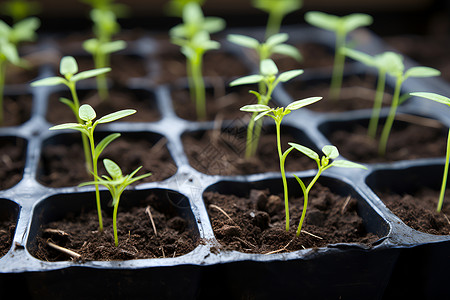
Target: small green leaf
244 41
255 108
287 50
422 72
68 66
359 56
305 150
330 151
268 67
213 24
342 163
301 103
74 126
322 20
288 75
112 168
259 116
276 39
250 79
89 74
432 96
49 81
353 21
105 142
300 182
116 115
112 47
69 103
86 113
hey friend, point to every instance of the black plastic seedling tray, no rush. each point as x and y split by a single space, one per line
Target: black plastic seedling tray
339 271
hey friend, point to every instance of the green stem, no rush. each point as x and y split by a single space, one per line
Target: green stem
116 206
338 67
305 201
273 24
95 171
444 177
249 150
199 87
373 124
390 119
283 174
102 83
2 87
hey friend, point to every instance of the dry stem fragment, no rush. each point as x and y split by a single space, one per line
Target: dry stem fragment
64 250
221 210
147 210
345 204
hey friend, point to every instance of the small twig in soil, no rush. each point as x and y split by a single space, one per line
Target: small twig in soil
419 120
57 231
64 250
159 145
162 250
221 210
7 160
149 213
282 249
445 216
313 235
345 204
245 242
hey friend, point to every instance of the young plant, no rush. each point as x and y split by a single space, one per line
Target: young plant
20 9
446 101
116 183
277 10
327 161
101 47
381 62
175 8
396 69
277 114
193 36
341 26
87 115
69 69
8 54
268 77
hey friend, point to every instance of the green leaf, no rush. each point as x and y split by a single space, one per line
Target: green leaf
10 52
322 20
287 50
243 40
422 72
393 64
213 24
259 116
276 39
49 81
89 74
300 182
341 163
91 45
105 142
353 21
112 47
250 79
255 108
432 96
74 126
112 168
68 66
86 113
359 56
268 67
288 75
116 115
330 151
301 103
25 30
305 150
69 103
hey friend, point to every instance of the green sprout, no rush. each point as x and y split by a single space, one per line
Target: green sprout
175 7
20 9
396 69
105 26
116 183
341 26
327 161
268 77
277 10
277 114
69 69
193 36
381 62
446 101
8 54
87 115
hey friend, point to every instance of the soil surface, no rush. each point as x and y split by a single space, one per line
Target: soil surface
257 222
143 102
406 141
7 229
223 153
17 110
12 161
63 164
137 238
418 210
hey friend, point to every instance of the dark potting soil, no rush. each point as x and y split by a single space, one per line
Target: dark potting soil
406 141
418 210
143 102
17 110
222 153
12 161
7 229
62 165
137 238
256 223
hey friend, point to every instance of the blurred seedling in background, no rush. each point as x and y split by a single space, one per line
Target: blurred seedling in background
341 26
18 10
277 114
174 8
87 127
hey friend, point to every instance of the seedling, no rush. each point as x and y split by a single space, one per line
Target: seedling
381 62
268 77
341 26
325 162
105 26
277 10
277 114
396 69
446 101
69 69
20 9
8 54
175 7
87 115
116 183
193 36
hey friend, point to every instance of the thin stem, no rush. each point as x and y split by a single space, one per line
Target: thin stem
199 86
273 24
390 119
283 174
305 200
95 171
249 150
338 67
102 83
116 206
373 124
2 87
444 177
